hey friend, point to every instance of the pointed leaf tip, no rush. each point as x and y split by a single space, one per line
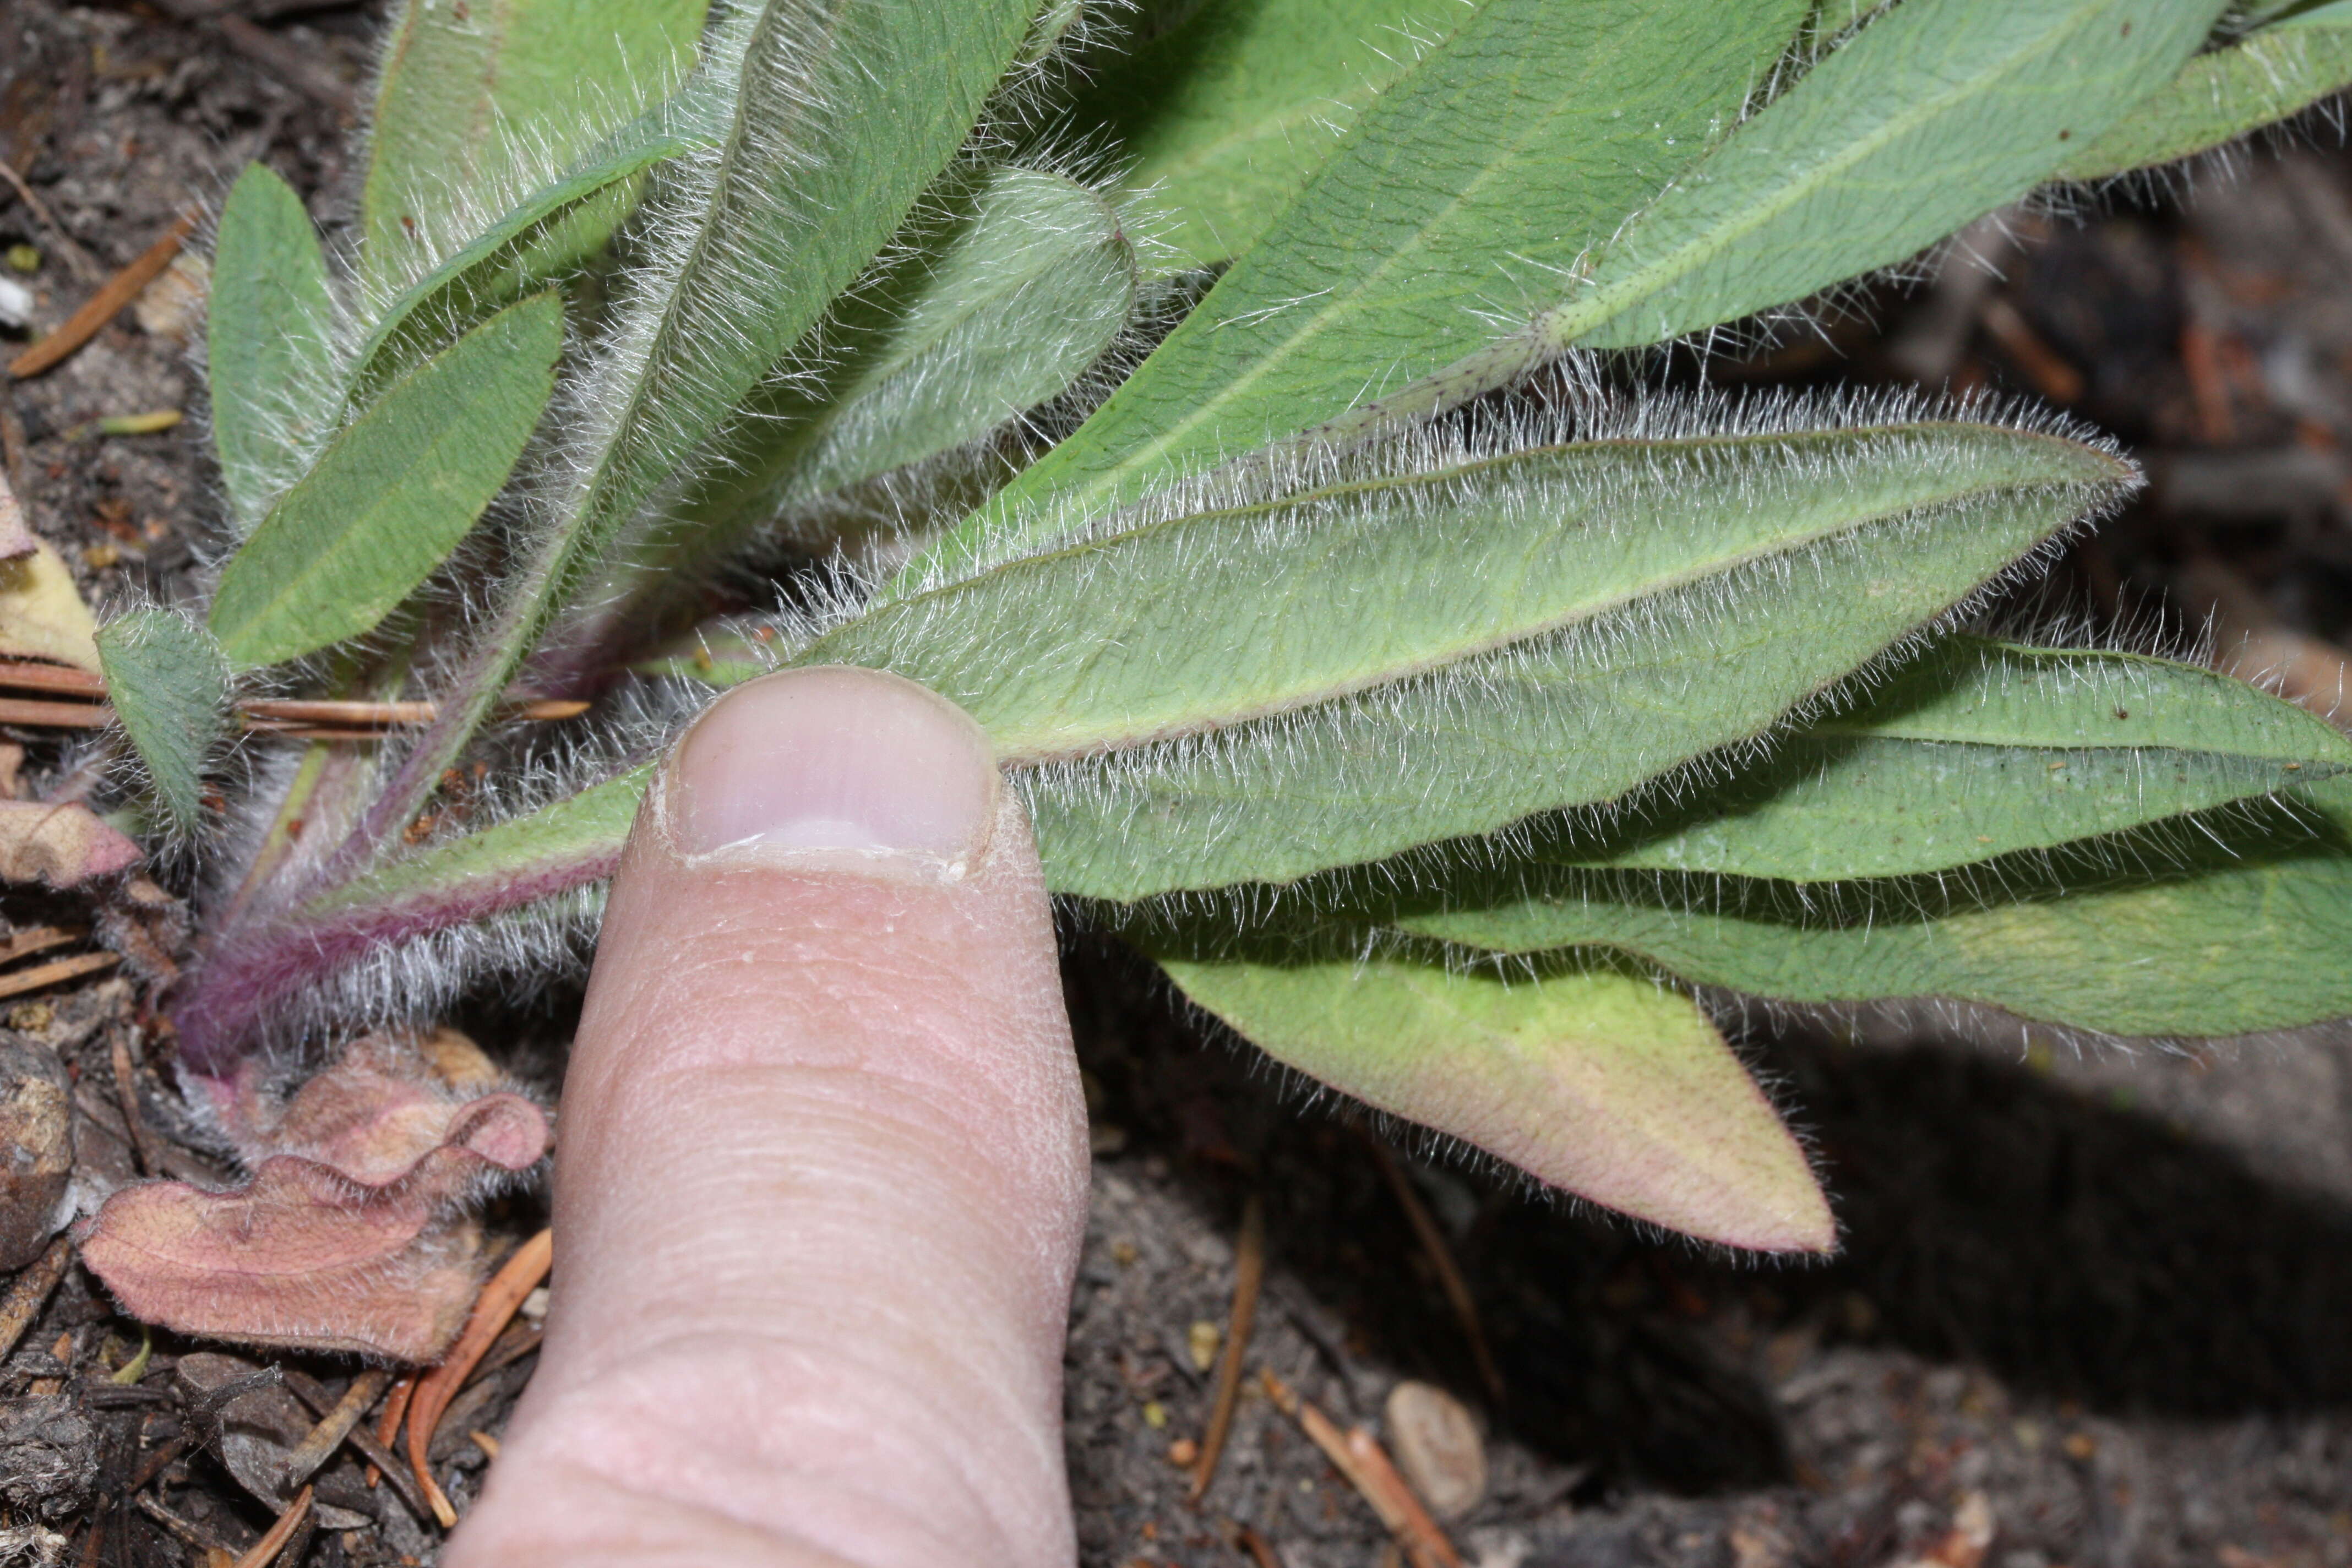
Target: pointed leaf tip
1595 1081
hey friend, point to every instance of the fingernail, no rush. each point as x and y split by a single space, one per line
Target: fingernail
834 761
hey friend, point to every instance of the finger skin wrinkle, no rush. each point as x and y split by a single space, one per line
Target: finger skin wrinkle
586 1518
799 1437
817 1203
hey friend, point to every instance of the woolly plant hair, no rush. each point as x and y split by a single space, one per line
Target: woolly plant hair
1457 717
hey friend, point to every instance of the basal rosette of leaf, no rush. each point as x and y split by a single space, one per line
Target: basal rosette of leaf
1254 637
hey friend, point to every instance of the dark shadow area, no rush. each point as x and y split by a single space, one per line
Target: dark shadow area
1992 1216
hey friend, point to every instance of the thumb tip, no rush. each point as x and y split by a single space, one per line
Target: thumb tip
830 762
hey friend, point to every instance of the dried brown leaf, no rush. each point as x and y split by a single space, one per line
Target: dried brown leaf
58 845
41 612
353 1234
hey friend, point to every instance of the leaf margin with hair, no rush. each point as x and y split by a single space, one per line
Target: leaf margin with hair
1211 390
1261 799
388 507
641 440
1264 95
1884 788
2268 76
269 340
1458 552
463 103
1602 1083
2210 954
1762 202
500 263
169 683
563 845
985 297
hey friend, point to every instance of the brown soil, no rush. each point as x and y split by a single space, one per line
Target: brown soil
2105 1294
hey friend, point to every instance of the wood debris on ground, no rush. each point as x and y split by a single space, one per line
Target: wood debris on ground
1249 1274
1358 1455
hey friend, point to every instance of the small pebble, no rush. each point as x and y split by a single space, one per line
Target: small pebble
15 304
1438 1448
1202 1338
1183 1453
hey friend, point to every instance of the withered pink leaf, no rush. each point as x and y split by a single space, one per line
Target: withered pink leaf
383 1107
353 1234
59 845
301 1257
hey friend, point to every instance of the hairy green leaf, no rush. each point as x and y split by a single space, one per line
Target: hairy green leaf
2239 936
831 118
518 252
1983 749
169 683
270 353
1030 290
393 493
1227 115
2218 97
1465 191
482 100
1606 1084
1938 112
561 846
1261 689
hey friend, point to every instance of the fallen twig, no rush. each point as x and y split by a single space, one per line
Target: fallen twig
265 1551
319 1445
186 1532
518 1341
99 308
158 1460
126 1088
376 1450
289 717
1440 1257
265 49
37 939
42 975
518 1278
1358 1455
1260 1549
29 675
387 1426
25 1295
1249 1274
54 715
282 60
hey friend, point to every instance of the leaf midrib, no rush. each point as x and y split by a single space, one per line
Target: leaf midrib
1151 449
1565 324
453 428
1017 755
